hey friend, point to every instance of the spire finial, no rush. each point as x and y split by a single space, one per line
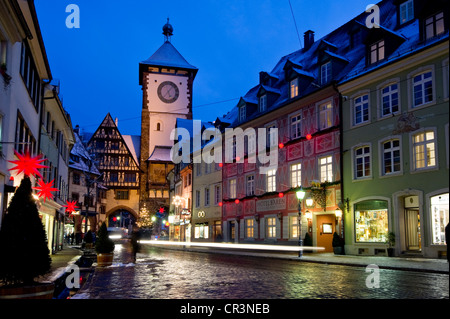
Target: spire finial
167 31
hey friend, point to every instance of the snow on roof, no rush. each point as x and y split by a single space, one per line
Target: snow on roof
161 154
167 55
134 145
83 157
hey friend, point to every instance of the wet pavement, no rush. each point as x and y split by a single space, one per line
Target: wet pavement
175 274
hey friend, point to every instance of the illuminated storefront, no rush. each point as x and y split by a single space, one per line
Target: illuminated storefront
439 217
371 221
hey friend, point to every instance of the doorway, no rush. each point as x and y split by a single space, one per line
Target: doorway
412 230
326 226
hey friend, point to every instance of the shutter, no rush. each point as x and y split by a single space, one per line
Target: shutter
286 227
278 228
262 228
241 229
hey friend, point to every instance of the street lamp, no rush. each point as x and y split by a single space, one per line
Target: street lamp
300 195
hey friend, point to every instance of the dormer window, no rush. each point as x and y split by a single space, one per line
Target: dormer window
294 88
434 25
242 114
377 52
406 11
262 103
325 73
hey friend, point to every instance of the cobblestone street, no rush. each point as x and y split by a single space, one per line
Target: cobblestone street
169 274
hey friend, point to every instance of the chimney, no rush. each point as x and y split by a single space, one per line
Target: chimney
308 39
77 130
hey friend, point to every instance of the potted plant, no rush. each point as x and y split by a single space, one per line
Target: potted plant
391 243
104 246
24 248
337 244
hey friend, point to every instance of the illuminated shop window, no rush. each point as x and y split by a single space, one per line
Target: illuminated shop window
371 221
271 227
439 215
249 228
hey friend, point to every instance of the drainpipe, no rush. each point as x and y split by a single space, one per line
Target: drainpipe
341 154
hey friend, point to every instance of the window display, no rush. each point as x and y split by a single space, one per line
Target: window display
439 215
371 221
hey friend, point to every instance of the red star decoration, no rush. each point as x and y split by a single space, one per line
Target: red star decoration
70 207
45 189
27 164
161 210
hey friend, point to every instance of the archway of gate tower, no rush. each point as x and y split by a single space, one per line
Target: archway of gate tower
121 217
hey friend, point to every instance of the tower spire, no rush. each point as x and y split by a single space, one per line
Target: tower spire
167 31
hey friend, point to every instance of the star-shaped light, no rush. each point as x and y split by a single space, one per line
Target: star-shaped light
71 207
45 189
28 165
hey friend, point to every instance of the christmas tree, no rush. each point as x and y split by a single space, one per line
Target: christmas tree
23 241
145 219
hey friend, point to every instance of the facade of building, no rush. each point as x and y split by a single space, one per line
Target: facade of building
27 96
83 180
396 140
116 156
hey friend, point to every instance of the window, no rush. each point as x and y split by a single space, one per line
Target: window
296 126
201 231
326 169
294 226
325 73
207 196
249 228
114 177
439 215
197 199
294 88
217 195
434 25
129 178
233 188
271 180
271 227
25 142
242 113
325 115
406 11
263 103
76 178
158 127
272 136
377 52
250 185
424 149
362 162
122 195
296 175
371 221
361 109
389 100
423 88
251 144
391 157
30 76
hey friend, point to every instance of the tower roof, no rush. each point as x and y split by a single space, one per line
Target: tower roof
168 56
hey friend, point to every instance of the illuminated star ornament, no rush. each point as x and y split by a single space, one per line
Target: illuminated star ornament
28 165
45 189
70 207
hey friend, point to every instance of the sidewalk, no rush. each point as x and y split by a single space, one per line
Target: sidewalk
61 261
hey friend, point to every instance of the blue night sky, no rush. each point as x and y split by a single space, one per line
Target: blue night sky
230 41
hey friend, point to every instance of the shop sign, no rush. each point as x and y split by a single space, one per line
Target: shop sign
266 205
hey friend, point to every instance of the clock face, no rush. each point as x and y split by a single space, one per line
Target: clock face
168 92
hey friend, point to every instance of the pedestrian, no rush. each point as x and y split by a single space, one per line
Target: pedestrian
447 236
135 244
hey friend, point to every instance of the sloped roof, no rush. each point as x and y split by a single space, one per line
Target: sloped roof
168 56
134 145
80 151
161 154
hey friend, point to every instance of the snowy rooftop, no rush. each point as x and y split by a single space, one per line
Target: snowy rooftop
168 56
